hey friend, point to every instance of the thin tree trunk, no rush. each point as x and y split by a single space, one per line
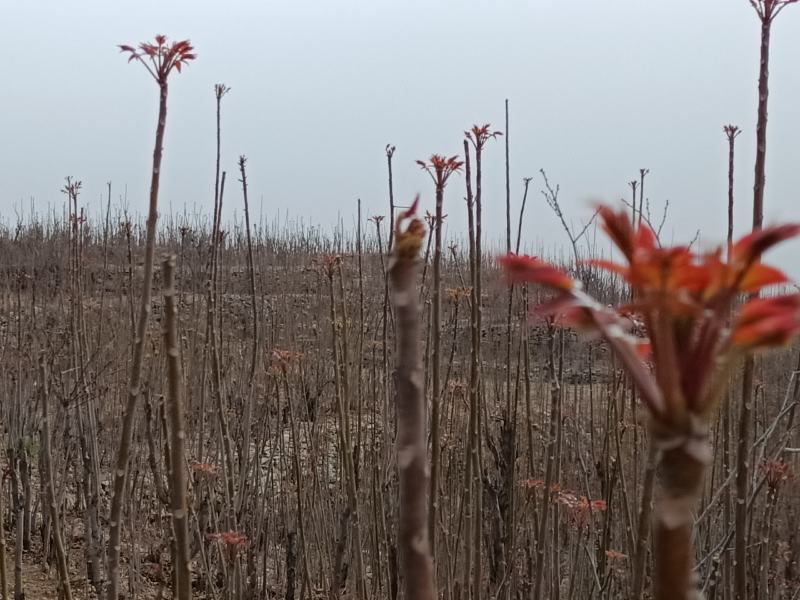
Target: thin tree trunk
178 479
508 429
3 572
65 591
248 409
123 453
415 557
745 412
477 452
642 173
27 496
732 132
436 326
761 124
555 401
643 526
291 564
742 481
508 189
469 490
389 155
19 593
681 476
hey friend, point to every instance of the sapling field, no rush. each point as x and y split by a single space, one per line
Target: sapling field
247 408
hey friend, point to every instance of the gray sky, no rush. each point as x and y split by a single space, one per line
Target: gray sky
598 89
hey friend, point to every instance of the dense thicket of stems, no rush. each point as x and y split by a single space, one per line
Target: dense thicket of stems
296 480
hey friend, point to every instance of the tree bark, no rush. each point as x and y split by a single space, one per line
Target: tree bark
436 326
681 476
415 557
745 414
177 433
65 591
123 453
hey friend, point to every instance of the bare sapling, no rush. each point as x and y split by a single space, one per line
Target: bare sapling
642 174
389 155
177 436
248 412
767 11
439 168
478 136
416 562
731 133
62 566
3 572
159 58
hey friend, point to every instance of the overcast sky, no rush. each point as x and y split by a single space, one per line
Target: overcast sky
597 88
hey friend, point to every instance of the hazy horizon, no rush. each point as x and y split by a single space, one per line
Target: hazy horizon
597 90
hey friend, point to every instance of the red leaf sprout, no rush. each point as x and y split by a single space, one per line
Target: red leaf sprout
684 300
160 57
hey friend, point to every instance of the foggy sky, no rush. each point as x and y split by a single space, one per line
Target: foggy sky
597 88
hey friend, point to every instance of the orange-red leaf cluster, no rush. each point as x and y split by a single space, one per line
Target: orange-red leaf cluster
765 322
205 469
440 167
160 57
777 471
480 134
234 541
684 301
521 268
